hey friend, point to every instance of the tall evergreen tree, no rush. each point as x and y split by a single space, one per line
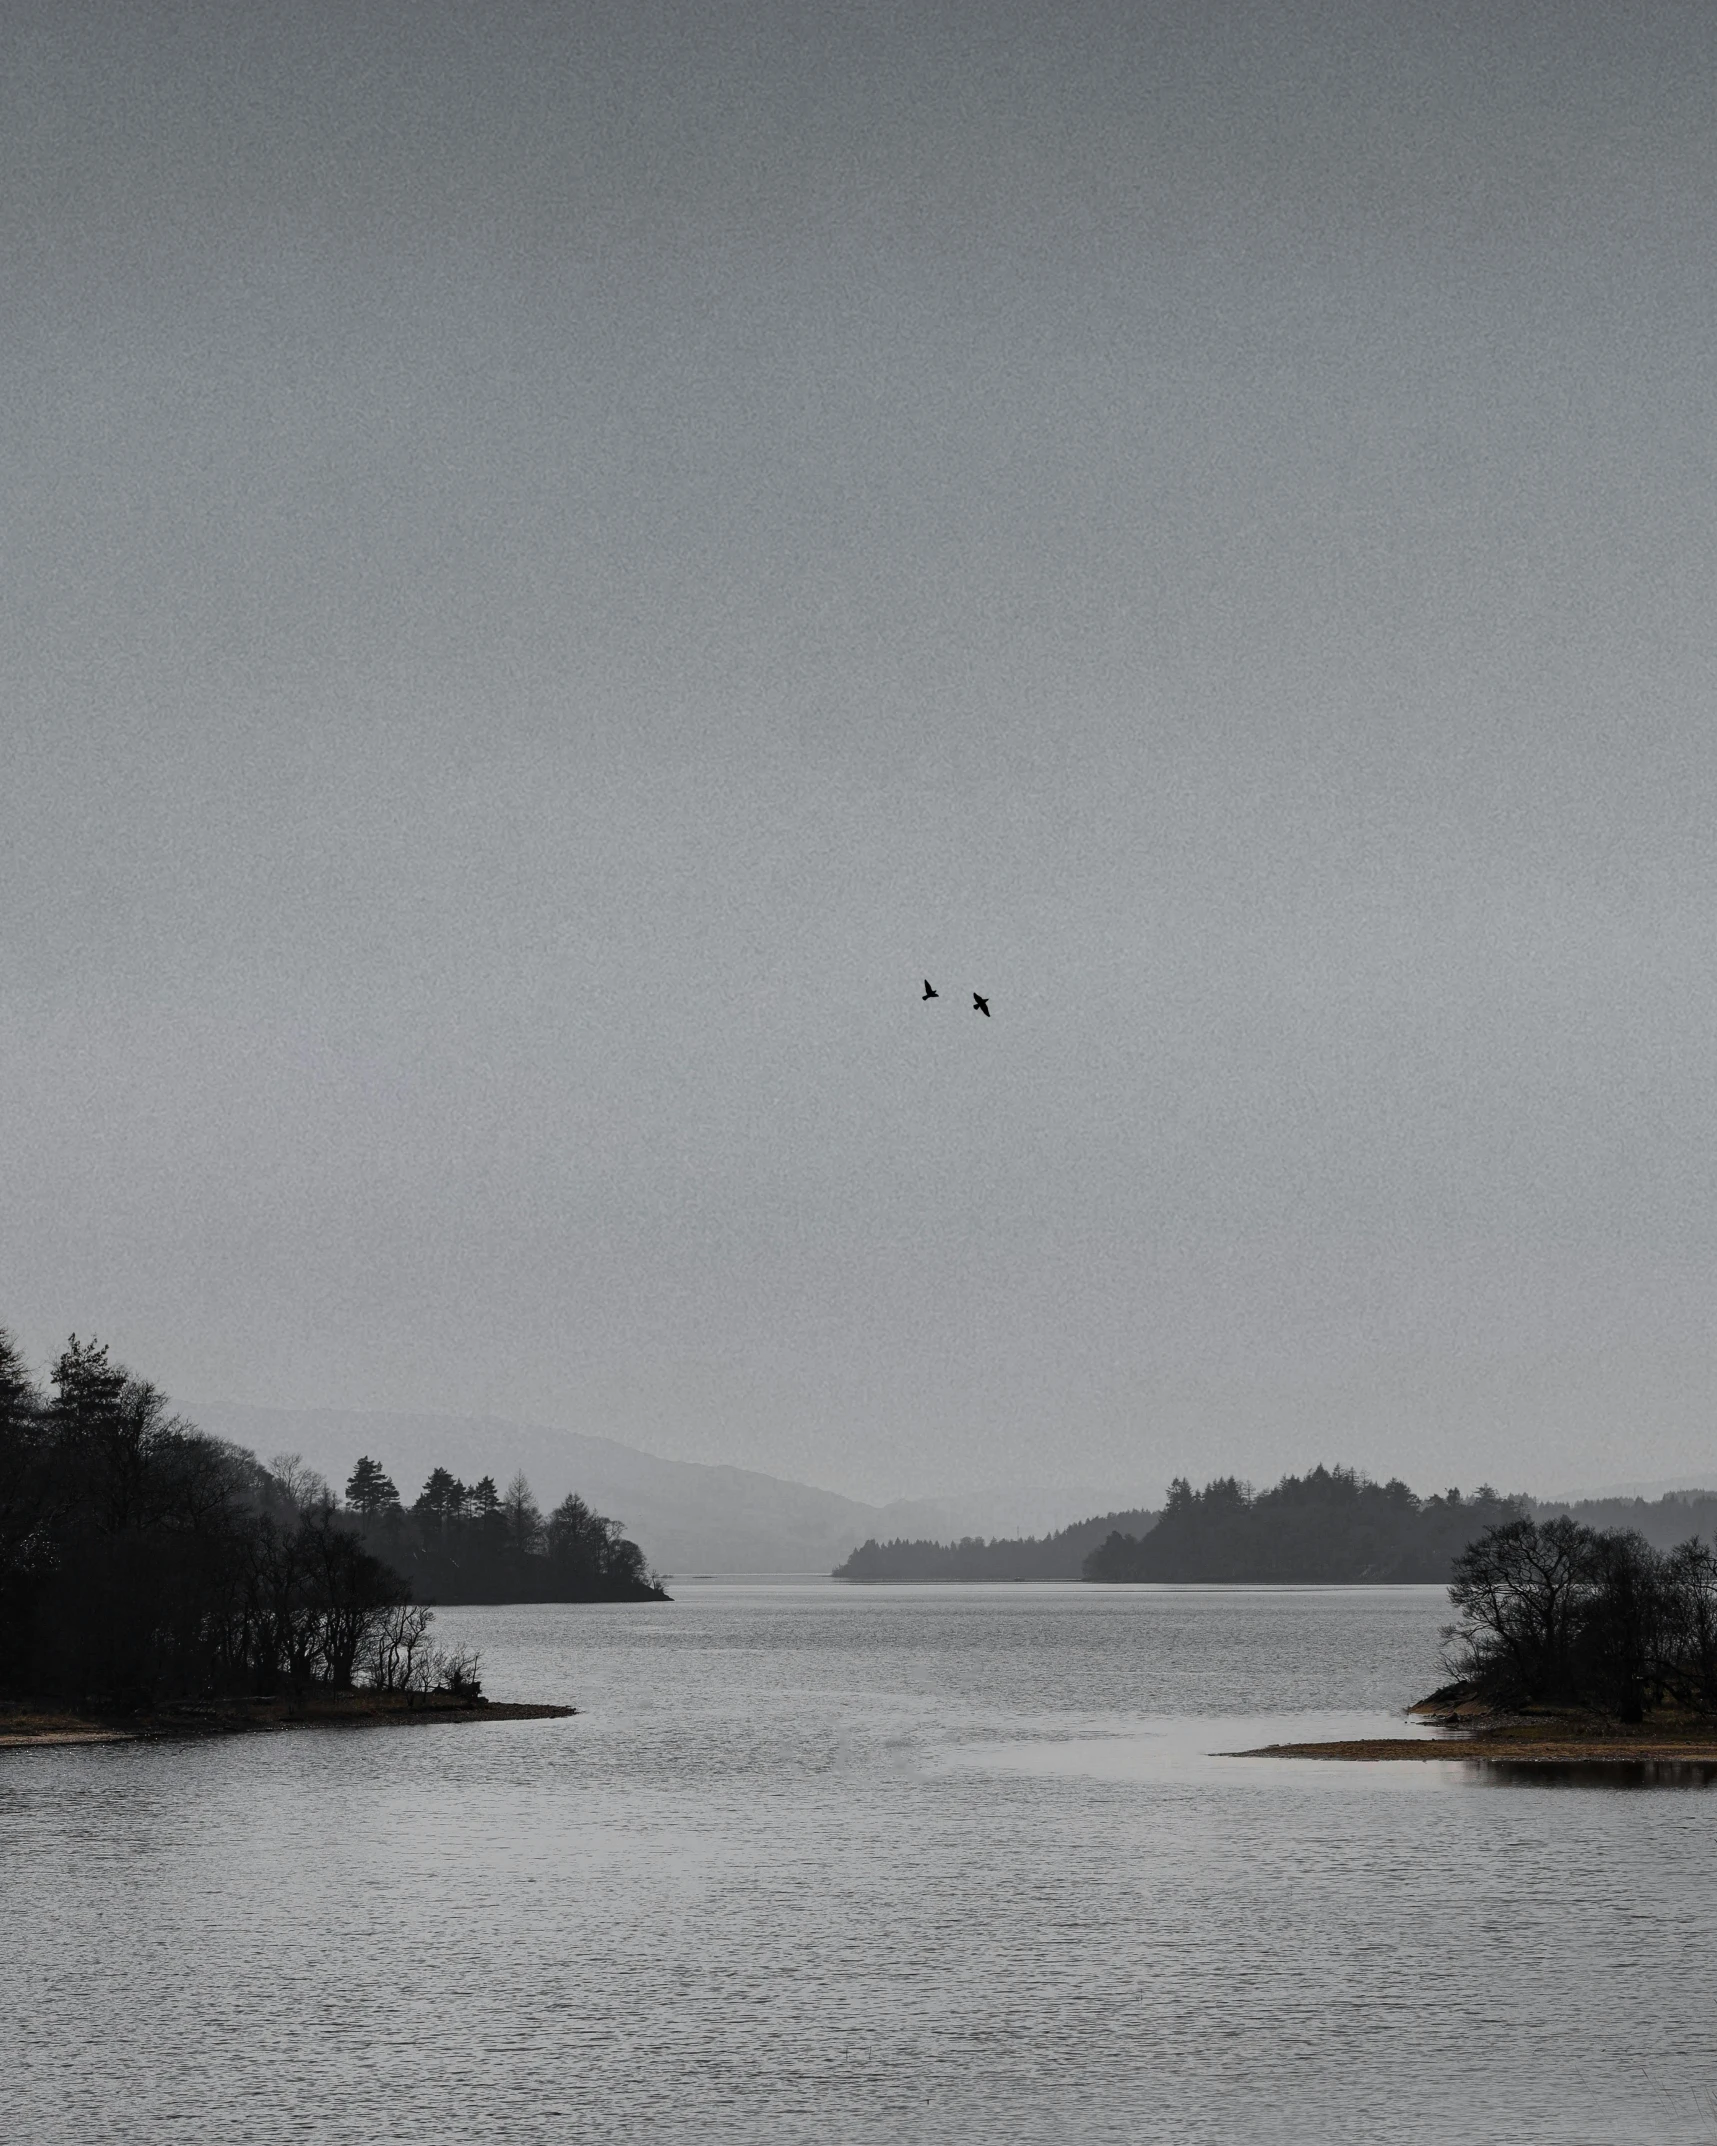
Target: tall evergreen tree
369 1489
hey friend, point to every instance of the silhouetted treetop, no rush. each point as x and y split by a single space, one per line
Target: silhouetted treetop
441 1499
19 1400
369 1489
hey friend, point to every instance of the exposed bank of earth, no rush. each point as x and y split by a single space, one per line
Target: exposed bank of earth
23 1724
1536 1736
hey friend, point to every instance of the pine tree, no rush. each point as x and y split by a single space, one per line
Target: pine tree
369 1490
18 1400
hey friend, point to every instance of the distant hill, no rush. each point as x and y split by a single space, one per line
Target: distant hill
1330 1526
1034 1557
686 1517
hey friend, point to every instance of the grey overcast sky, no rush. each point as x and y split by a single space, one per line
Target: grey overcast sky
559 559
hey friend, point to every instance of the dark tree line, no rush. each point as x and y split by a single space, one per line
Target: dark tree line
1060 1556
141 1560
469 1542
1330 1526
1557 1613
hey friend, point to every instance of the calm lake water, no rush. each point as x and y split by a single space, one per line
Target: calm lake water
817 1863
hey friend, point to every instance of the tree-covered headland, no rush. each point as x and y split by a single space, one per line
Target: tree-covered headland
142 1561
469 1542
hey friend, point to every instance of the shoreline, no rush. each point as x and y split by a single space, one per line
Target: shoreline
1523 1740
1558 1751
1466 1726
24 1726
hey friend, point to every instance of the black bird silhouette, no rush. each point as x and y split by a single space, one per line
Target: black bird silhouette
981 1004
928 991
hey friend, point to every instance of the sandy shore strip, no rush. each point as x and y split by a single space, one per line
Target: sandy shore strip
1514 1750
69 1732
33 1727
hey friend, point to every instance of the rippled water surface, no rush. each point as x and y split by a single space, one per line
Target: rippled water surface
891 1864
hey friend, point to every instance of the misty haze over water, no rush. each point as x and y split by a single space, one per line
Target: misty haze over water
561 558
887 1865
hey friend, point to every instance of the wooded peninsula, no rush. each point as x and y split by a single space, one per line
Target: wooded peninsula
147 1568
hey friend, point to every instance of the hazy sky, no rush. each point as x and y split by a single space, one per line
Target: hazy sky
558 559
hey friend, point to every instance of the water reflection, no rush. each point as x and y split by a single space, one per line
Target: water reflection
1594 1773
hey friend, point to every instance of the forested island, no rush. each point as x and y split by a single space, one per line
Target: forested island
144 1564
1027 1557
1330 1526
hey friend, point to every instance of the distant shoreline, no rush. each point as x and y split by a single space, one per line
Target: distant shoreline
24 1726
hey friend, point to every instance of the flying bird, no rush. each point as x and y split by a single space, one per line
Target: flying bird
929 990
981 1004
